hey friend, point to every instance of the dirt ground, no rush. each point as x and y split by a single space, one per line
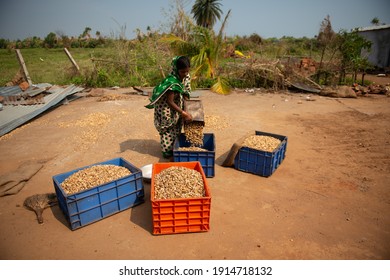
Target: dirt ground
329 199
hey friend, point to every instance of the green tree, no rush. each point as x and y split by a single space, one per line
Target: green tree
64 39
352 47
375 21
206 12
211 48
255 38
85 33
206 48
325 37
325 41
50 40
4 43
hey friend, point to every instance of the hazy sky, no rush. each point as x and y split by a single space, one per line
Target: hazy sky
20 19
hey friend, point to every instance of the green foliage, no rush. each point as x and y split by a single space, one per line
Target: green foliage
86 32
240 83
375 21
272 48
221 86
351 46
202 82
50 40
255 39
106 62
327 42
4 43
206 12
9 66
253 42
53 40
77 80
130 63
101 79
350 80
46 65
210 48
203 46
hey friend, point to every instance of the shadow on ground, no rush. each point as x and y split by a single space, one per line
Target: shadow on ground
141 215
142 146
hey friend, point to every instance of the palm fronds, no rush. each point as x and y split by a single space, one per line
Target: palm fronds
221 86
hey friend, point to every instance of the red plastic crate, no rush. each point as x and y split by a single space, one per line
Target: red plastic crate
181 215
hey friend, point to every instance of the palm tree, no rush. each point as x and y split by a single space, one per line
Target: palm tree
205 47
211 47
207 60
206 12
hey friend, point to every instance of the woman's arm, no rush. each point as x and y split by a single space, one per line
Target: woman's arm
174 106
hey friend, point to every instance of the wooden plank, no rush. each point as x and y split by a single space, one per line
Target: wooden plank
72 60
23 66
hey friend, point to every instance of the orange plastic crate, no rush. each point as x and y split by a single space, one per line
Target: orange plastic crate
180 215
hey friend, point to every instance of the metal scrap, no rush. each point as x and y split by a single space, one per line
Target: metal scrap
13 116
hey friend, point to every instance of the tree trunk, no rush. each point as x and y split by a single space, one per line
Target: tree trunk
320 66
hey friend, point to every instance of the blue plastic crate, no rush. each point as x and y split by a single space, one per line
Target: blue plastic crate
261 162
94 204
206 158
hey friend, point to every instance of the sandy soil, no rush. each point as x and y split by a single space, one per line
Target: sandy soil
329 199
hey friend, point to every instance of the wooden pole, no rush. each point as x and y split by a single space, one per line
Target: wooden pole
72 60
23 66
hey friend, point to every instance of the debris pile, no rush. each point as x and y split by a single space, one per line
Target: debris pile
19 106
24 94
338 92
371 89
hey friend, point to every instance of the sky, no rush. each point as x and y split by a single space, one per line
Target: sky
20 19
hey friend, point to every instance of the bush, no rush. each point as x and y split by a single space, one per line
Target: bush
3 43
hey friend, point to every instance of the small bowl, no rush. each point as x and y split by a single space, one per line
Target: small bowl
147 172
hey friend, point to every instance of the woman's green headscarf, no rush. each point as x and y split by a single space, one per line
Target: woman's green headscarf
171 82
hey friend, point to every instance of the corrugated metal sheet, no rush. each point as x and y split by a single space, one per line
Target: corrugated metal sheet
7 91
375 27
379 54
12 117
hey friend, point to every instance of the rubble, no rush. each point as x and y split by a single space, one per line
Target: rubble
19 107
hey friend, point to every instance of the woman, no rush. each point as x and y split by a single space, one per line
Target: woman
168 103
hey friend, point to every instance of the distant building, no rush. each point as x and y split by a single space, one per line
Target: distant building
379 55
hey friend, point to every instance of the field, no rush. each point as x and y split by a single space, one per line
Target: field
329 199
44 65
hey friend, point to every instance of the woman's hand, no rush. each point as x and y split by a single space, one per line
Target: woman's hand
186 116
